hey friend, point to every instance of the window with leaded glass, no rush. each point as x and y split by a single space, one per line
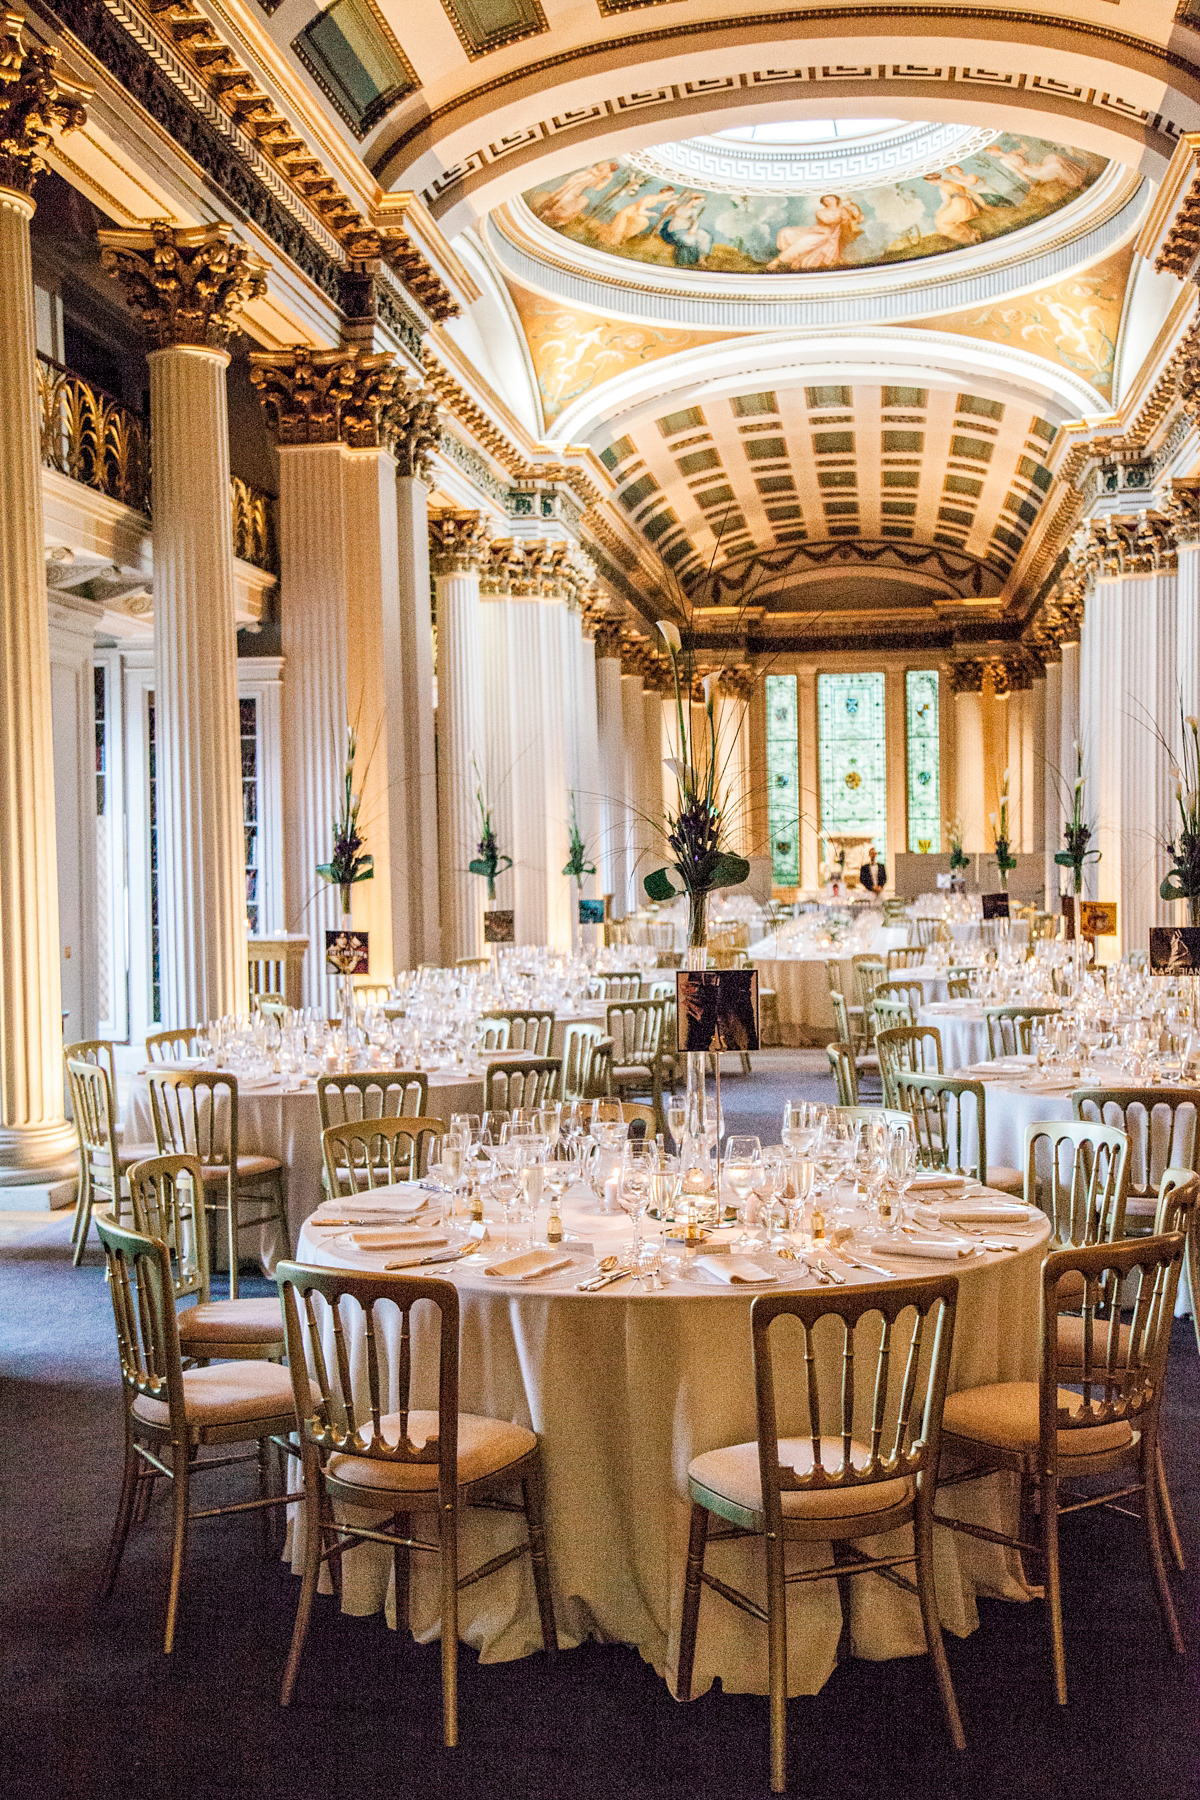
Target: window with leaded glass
852 758
783 786
248 719
924 760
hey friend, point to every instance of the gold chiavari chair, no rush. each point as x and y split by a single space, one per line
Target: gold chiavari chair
1076 1174
581 1041
946 1112
1010 1028
174 1412
94 1110
169 1046
636 1027
1161 1124
167 1197
1050 1434
866 1060
623 984
865 1463
195 1113
530 1082
529 1030
844 1072
372 1094
905 956
868 972
403 1465
911 993
856 1033
958 987
473 962
907 1049
360 1154
95 1050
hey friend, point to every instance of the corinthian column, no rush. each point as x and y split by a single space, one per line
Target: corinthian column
610 766
966 679
458 542
188 287
37 1146
415 436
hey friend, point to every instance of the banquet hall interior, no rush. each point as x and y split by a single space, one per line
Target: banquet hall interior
600 897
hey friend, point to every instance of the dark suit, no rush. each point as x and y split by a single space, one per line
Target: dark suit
876 885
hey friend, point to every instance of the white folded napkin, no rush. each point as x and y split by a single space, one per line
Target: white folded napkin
936 1179
927 1249
394 1197
529 1265
736 1271
980 1212
397 1237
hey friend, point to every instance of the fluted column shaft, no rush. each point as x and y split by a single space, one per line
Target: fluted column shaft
312 571
461 758
589 786
969 772
1189 628
201 847
633 737
613 863
36 1144
1054 777
418 904
1068 714
733 753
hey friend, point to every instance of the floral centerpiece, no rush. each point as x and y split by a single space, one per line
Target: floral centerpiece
959 860
1002 849
694 829
1183 844
349 863
577 865
1077 833
489 862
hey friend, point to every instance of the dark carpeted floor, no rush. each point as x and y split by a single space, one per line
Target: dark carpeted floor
93 1708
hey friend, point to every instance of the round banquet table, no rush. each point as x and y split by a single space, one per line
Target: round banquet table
963 1032
281 1118
802 989
624 1388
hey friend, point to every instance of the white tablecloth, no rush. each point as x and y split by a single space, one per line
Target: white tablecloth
286 1123
624 1389
963 1032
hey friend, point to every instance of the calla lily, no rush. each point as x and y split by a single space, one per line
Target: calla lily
671 634
992 820
709 685
1192 723
676 767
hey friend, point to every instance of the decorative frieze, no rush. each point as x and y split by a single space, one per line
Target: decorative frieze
187 283
36 101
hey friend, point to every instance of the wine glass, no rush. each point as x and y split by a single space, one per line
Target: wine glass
608 1124
677 1121
743 1161
796 1132
638 1163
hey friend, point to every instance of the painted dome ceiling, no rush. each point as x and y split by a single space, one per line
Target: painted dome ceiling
900 193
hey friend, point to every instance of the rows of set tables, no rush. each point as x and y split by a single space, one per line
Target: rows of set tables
624 1386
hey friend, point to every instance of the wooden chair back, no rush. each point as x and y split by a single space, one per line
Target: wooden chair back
868 970
169 1046
371 993
95 1050
635 1027
372 1094
1080 1183
532 1081
336 1413
841 1018
905 956
492 1034
94 1111
623 984
195 1113
361 1154
907 1049
1010 1028
912 993
1159 1122
1120 1366
273 1007
946 1114
167 1193
927 931
958 987
845 1073
892 1344
888 1013
865 1115
529 1030
600 1078
473 962
580 1041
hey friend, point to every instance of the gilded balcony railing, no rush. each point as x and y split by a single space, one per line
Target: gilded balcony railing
92 437
254 525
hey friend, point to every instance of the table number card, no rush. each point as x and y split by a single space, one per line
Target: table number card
716 1009
591 912
346 952
995 906
1097 918
498 927
1175 949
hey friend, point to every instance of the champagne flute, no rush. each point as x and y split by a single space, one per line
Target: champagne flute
743 1160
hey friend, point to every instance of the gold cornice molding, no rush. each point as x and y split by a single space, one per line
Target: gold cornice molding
186 283
37 103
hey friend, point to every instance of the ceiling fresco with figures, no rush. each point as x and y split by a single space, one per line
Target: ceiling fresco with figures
636 213
959 473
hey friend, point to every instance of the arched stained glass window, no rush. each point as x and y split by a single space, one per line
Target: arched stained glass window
852 756
783 783
924 760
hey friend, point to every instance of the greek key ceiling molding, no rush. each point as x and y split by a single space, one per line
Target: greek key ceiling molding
801 79
730 167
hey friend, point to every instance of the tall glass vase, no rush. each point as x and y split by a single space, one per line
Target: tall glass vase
696 1186
348 1017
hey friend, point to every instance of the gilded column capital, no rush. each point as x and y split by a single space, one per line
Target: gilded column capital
35 102
326 396
966 677
414 429
458 542
1115 544
607 633
187 283
739 682
1181 506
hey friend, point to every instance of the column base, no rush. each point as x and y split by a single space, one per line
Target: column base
41 1196
35 1156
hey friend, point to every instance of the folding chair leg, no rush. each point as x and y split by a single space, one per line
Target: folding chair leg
697 1539
1167 1511
83 1220
1049 1498
777 1661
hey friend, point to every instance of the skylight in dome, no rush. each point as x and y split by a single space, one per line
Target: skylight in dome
809 131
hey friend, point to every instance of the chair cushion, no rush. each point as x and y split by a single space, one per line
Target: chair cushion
632 1072
248 1167
1070 1343
485 1447
1004 1179
231 1322
734 1474
226 1394
1006 1414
